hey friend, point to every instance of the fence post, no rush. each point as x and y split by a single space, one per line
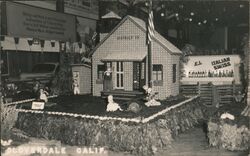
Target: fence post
215 96
199 88
234 90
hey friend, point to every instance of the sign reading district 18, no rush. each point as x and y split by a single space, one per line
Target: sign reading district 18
223 64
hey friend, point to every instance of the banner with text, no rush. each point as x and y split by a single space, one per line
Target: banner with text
28 21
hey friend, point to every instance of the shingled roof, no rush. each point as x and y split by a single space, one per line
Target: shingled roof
142 25
164 42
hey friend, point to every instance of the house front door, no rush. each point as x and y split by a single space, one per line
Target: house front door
119 73
138 75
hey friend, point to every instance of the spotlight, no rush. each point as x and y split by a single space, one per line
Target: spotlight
205 21
192 14
216 19
162 14
176 14
190 19
199 23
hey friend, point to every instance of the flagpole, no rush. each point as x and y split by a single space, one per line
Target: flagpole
149 49
149 64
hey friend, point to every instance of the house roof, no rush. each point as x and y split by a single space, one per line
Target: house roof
125 56
142 25
111 14
164 42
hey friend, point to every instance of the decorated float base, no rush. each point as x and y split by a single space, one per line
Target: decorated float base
229 129
228 134
141 136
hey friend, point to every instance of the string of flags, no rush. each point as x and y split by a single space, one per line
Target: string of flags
13 43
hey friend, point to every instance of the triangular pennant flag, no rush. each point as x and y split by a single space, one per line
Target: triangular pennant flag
30 41
16 40
2 38
52 43
42 43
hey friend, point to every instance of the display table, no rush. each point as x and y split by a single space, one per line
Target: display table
137 135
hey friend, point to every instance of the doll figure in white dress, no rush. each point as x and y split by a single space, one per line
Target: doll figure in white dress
43 95
76 88
112 106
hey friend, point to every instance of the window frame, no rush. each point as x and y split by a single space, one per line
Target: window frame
100 79
174 73
159 74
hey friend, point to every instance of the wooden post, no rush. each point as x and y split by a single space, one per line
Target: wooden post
215 96
198 88
233 89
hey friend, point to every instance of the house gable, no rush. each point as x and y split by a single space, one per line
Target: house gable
126 38
140 24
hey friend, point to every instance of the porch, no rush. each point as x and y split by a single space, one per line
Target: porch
122 94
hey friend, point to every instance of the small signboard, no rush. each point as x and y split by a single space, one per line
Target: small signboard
37 105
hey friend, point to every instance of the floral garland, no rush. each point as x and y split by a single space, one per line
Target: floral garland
135 120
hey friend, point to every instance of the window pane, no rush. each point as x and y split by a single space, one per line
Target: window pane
100 71
154 75
117 80
121 66
159 75
174 73
117 66
121 80
157 72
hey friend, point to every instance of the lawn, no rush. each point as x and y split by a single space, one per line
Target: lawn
87 104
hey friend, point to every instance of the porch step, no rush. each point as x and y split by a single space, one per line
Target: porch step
121 94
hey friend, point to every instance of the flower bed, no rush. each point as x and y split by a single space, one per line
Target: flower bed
137 135
229 134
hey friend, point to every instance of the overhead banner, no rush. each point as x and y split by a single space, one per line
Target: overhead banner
28 21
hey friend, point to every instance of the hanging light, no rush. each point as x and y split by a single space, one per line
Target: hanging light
241 5
190 19
199 23
162 14
192 14
176 14
181 6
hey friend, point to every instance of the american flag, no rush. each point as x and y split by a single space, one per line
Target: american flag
150 25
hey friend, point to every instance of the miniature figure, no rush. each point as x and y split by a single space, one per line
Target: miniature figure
76 88
150 97
239 97
112 106
107 85
43 95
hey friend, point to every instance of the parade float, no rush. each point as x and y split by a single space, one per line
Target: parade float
154 116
